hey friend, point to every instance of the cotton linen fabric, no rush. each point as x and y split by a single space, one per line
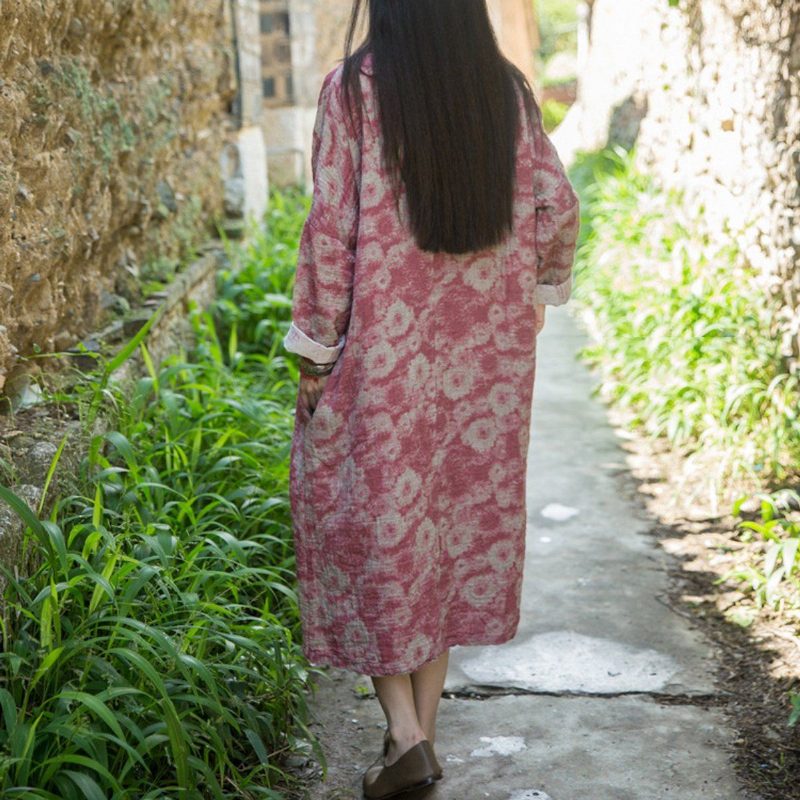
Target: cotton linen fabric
407 483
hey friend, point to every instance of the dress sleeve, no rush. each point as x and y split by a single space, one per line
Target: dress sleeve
557 222
323 283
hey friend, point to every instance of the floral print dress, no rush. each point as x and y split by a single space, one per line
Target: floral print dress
407 483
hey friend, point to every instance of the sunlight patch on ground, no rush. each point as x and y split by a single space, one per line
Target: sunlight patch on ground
559 661
499 746
557 512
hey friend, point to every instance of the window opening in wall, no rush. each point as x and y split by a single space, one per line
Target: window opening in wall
276 53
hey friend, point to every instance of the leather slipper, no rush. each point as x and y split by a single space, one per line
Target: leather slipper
436 763
413 770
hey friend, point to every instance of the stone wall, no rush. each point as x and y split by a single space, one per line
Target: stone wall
113 116
710 91
244 158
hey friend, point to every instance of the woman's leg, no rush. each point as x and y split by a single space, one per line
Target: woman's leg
410 702
428 683
396 697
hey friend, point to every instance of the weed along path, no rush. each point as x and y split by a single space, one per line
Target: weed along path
605 693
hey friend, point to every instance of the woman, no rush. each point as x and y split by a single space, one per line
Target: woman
441 225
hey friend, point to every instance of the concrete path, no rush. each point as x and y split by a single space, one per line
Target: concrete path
604 692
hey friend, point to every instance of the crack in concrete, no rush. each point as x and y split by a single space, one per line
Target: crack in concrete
665 698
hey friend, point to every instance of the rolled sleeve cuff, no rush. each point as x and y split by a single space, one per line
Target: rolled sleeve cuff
553 295
298 342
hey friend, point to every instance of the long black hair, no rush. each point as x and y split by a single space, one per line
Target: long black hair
448 107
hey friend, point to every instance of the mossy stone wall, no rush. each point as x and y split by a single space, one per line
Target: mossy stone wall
710 92
113 114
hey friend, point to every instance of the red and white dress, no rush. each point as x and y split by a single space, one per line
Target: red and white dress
407 484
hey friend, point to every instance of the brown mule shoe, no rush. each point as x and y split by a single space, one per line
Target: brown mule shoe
387 737
413 770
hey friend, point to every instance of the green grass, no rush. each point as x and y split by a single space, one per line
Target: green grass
678 327
769 574
152 651
255 298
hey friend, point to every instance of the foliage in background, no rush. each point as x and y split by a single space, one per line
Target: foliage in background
557 27
255 297
154 651
678 332
553 114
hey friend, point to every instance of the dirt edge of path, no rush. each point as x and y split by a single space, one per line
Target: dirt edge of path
758 663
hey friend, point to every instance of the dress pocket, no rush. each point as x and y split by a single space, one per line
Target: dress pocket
326 429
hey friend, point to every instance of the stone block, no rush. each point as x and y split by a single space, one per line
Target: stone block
244 167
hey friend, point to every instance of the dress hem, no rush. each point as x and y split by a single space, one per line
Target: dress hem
319 658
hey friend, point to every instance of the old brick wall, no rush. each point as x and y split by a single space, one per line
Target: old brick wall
112 119
310 33
710 91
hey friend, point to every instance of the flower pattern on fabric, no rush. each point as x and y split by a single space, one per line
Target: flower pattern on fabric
407 483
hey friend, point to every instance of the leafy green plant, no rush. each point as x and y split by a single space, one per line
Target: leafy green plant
775 581
152 650
794 716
